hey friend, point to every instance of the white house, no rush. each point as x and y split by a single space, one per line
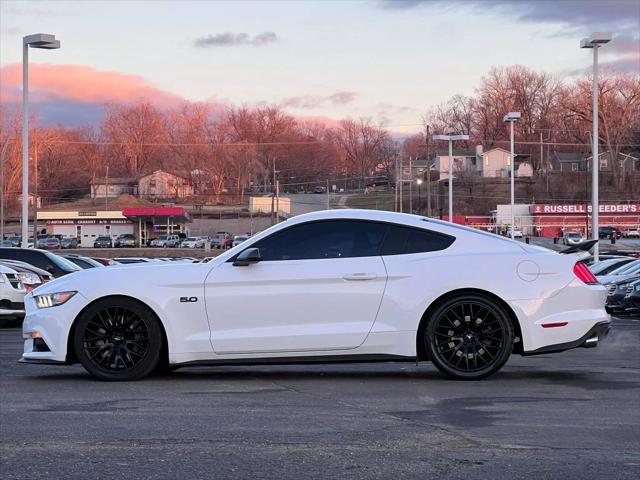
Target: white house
497 163
161 184
113 187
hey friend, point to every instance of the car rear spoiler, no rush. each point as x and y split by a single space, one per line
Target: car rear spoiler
580 247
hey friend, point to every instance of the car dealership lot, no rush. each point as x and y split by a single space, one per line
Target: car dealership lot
570 415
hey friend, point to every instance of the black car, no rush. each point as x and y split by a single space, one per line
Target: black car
125 240
609 232
83 262
616 292
52 263
631 301
103 241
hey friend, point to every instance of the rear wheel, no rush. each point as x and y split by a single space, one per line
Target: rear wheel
469 337
118 339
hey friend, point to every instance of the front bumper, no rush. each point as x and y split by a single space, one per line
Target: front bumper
52 325
588 340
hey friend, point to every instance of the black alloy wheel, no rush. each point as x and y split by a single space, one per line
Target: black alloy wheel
118 339
469 337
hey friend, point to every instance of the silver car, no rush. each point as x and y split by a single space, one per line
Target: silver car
166 241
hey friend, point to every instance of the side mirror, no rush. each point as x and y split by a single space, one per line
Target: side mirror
51 269
247 257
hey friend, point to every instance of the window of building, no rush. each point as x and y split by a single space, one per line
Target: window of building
574 167
508 160
486 160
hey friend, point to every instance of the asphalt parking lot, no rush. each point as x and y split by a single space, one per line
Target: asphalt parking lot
569 415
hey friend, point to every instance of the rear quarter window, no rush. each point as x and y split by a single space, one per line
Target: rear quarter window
404 240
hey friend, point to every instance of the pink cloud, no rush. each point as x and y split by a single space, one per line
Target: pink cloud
80 83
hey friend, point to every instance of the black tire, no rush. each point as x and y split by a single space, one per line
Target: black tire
118 339
469 337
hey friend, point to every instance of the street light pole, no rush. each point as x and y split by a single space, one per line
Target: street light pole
47 42
450 139
511 117
594 42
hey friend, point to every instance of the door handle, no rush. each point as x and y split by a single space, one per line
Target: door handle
360 276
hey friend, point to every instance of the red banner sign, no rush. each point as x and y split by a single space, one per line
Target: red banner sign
577 209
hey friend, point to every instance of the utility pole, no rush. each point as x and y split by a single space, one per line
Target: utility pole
328 196
428 174
395 193
106 189
277 201
410 185
4 150
400 200
35 187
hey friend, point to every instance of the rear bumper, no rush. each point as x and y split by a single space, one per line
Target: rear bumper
588 340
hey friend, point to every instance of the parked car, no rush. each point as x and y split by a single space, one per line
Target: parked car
103 241
631 233
604 267
319 189
609 232
83 262
572 238
40 240
631 301
104 261
7 244
30 276
517 233
621 273
12 294
51 243
15 240
166 241
238 239
69 242
125 240
222 240
130 260
193 242
48 261
616 292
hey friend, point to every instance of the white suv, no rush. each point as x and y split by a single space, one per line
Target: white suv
12 294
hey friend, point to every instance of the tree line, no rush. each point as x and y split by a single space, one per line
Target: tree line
230 150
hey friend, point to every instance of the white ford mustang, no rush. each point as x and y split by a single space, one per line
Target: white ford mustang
341 285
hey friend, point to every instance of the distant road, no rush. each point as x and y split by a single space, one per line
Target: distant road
312 202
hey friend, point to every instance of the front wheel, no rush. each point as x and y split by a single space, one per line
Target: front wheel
118 339
469 337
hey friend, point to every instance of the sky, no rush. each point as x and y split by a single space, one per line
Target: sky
386 60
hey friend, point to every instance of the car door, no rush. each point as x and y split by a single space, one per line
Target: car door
318 287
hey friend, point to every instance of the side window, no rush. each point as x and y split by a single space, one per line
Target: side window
402 240
324 239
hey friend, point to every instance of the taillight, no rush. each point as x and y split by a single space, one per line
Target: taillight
583 273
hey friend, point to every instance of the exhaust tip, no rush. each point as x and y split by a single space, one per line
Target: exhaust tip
591 342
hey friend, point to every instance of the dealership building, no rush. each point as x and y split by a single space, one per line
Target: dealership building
552 220
143 223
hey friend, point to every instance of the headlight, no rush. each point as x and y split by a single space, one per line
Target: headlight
47 300
29 278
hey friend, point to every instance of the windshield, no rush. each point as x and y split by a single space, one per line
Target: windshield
63 263
191 239
162 237
103 238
